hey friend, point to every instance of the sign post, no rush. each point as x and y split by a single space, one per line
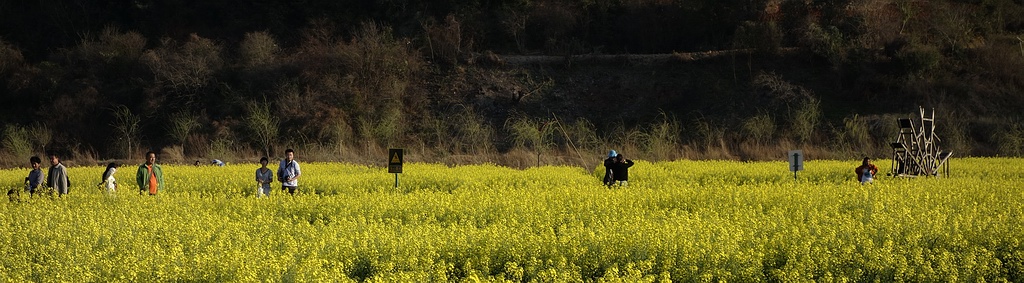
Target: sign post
395 157
796 161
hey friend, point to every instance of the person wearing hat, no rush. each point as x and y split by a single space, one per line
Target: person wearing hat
609 178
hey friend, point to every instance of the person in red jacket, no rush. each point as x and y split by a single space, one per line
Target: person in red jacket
866 172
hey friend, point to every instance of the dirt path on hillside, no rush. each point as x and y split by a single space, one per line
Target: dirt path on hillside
633 59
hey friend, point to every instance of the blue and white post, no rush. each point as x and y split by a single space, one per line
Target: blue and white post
796 161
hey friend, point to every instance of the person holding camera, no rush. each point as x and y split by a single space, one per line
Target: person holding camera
288 172
620 169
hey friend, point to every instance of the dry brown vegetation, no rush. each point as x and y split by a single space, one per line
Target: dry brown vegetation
521 84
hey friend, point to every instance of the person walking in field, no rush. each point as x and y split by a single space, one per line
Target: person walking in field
264 176
107 181
620 169
609 163
57 177
35 177
866 172
288 172
149 176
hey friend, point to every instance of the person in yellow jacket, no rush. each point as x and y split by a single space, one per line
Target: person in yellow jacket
150 177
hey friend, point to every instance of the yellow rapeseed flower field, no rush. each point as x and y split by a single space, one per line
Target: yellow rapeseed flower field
689 221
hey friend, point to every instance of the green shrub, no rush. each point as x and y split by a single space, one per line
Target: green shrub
472 133
583 134
10 58
708 133
954 134
760 128
388 129
41 135
917 59
882 129
1010 140
827 42
111 46
258 49
444 40
854 136
662 138
222 148
529 133
181 126
17 141
804 119
262 125
340 133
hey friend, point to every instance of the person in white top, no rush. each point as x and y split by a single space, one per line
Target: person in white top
108 181
288 172
264 176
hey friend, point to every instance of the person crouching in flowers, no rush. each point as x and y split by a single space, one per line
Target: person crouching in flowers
609 176
866 172
108 182
264 176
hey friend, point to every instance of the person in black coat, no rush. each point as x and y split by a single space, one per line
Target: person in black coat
609 178
620 169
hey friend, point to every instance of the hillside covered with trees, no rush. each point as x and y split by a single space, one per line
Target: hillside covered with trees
512 82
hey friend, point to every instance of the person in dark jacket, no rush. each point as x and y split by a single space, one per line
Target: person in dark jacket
609 178
35 178
621 169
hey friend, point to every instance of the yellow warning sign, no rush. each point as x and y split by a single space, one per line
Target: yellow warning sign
395 162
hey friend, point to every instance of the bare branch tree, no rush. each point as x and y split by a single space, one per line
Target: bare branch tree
127 126
262 124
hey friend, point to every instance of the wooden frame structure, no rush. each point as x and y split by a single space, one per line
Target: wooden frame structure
915 151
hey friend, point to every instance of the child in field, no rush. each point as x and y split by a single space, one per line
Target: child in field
264 176
108 181
35 178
